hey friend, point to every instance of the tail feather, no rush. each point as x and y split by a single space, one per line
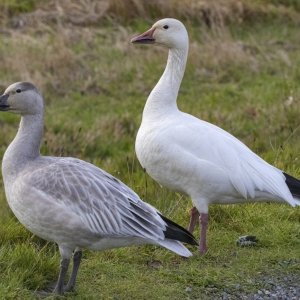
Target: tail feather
176 232
293 185
176 247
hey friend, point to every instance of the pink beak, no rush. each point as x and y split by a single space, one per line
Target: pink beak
144 38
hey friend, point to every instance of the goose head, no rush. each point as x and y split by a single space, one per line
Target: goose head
22 98
168 32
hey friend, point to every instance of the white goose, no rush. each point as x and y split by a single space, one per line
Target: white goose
195 157
70 201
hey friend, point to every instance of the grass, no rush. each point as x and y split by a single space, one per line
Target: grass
242 75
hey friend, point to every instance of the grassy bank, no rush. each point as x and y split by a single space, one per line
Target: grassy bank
242 74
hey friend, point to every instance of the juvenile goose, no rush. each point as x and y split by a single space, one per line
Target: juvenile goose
195 157
70 201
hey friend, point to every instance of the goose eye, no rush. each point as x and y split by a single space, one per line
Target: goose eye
18 91
166 27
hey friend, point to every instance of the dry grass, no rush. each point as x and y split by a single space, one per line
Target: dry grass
43 40
92 12
39 59
43 44
220 50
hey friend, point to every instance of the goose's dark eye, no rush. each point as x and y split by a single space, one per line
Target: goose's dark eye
18 91
166 27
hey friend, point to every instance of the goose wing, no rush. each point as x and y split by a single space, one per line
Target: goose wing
102 202
246 171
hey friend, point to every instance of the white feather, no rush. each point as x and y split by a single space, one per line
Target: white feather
190 155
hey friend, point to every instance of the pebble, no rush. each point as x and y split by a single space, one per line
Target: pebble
280 288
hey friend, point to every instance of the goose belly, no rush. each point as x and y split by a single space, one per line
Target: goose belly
175 167
45 218
30 216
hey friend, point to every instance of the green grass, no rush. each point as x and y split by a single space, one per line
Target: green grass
244 78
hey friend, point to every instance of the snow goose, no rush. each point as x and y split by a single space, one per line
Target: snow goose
195 157
70 201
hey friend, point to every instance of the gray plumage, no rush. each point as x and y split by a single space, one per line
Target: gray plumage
70 201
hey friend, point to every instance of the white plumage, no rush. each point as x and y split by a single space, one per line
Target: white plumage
193 156
70 201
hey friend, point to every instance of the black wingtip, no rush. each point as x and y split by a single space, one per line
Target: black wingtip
293 184
176 232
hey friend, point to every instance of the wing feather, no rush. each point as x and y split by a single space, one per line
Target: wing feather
103 203
247 172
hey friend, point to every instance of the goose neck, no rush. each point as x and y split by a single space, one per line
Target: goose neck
25 146
163 97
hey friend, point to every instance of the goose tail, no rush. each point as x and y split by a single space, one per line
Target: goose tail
174 235
294 187
176 232
176 247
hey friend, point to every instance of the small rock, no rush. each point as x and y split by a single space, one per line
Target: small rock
224 296
247 241
274 295
188 289
156 264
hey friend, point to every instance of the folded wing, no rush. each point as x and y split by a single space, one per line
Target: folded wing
102 202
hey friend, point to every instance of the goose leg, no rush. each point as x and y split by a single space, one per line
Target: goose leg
203 219
59 288
194 217
76 262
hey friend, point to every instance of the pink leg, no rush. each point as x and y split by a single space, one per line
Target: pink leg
203 219
194 217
